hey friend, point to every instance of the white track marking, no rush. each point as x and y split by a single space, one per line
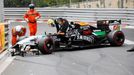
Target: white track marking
129 42
130 27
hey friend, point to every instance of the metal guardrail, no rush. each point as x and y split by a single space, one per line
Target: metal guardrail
83 14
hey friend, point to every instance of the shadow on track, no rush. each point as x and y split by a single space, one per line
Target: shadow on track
131 50
84 48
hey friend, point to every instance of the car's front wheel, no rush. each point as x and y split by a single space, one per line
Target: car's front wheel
45 46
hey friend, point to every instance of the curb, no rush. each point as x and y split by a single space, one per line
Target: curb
5 60
5 54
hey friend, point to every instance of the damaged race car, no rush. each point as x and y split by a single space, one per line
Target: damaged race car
25 45
107 32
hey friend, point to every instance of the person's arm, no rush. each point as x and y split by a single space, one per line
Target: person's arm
57 25
60 33
37 16
26 17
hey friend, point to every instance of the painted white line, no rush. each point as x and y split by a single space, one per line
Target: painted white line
129 42
130 27
5 64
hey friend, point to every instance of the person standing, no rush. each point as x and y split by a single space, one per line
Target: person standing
31 17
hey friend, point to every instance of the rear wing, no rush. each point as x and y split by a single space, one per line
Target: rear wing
108 22
115 21
104 24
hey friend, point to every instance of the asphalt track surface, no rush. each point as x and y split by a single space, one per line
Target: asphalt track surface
92 61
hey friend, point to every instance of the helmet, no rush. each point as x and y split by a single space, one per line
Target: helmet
31 6
18 28
50 21
59 19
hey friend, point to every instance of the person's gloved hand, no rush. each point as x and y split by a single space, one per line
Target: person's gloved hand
36 18
27 20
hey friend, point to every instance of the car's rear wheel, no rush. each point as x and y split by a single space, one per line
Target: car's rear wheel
45 46
116 38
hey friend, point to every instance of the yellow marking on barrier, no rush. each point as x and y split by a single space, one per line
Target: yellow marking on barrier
2 35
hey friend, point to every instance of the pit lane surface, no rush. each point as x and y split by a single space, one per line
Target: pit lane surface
95 61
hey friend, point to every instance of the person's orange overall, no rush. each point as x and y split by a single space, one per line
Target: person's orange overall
31 17
17 33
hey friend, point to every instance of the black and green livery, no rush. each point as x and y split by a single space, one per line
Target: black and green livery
85 36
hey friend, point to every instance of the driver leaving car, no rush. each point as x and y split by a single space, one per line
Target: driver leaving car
64 25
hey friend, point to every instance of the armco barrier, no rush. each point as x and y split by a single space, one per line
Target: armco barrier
83 14
3 37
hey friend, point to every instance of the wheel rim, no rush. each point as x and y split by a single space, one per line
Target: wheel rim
119 38
48 46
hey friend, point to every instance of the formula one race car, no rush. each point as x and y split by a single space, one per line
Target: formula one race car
77 36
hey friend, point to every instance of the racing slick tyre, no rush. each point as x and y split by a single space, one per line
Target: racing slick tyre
116 38
22 53
45 46
12 54
37 53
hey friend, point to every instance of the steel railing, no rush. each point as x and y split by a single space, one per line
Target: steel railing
83 14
